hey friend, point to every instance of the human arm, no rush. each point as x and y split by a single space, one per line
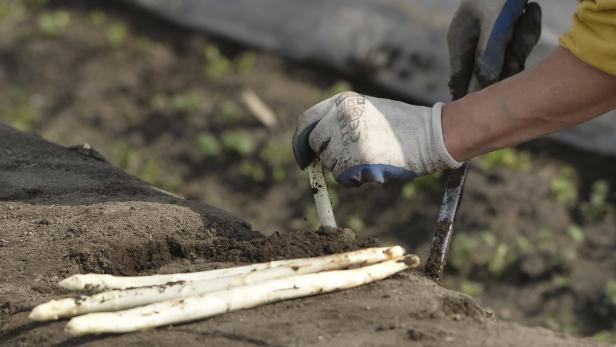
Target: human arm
572 85
560 92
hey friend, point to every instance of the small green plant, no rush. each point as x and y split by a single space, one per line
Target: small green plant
54 23
186 103
245 62
116 34
523 245
507 158
123 155
311 217
411 188
336 88
150 172
217 65
501 260
545 239
605 336
561 281
597 205
553 321
610 291
277 154
253 171
355 223
97 17
238 141
575 232
564 186
5 11
209 145
20 112
471 288
229 112
471 249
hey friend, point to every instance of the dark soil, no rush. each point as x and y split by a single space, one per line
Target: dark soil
142 93
118 224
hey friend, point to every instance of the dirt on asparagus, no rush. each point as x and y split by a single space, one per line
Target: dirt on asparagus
535 237
66 211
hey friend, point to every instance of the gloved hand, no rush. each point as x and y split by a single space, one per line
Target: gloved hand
366 139
492 39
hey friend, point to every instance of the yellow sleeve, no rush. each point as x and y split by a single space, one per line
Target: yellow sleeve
592 37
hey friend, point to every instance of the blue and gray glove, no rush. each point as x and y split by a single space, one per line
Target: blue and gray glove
490 39
366 139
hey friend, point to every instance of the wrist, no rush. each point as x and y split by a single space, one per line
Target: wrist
456 144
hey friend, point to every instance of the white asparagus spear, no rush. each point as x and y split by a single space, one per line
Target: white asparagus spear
101 281
207 305
320 194
122 299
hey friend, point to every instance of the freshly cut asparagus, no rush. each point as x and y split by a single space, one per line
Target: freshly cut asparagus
122 299
325 212
101 282
207 305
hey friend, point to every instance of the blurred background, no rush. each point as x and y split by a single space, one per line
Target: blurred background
195 106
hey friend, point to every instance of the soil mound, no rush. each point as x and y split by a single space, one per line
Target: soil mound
66 210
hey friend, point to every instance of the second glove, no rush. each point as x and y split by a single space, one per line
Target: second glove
366 139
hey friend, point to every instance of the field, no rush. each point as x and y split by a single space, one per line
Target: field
537 230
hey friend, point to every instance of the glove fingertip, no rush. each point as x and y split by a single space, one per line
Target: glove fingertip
302 152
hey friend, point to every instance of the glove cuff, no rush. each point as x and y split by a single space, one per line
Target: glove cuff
446 160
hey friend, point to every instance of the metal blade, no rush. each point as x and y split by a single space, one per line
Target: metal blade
444 226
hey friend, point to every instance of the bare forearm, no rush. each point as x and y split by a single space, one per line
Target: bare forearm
560 92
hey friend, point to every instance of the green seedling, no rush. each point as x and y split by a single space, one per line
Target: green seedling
471 288
97 17
336 88
209 145
564 186
575 233
311 217
464 252
245 62
20 112
279 174
411 188
355 223
605 336
217 65
150 172
565 258
545 239
237 141
54 23
123 155
116 34
597 205
7 10
277 154
506 158
229 112
523 245
501 260
186 103
253 171
610 292
560 281
553 322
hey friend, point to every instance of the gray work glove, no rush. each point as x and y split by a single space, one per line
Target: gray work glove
366 139
492 39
